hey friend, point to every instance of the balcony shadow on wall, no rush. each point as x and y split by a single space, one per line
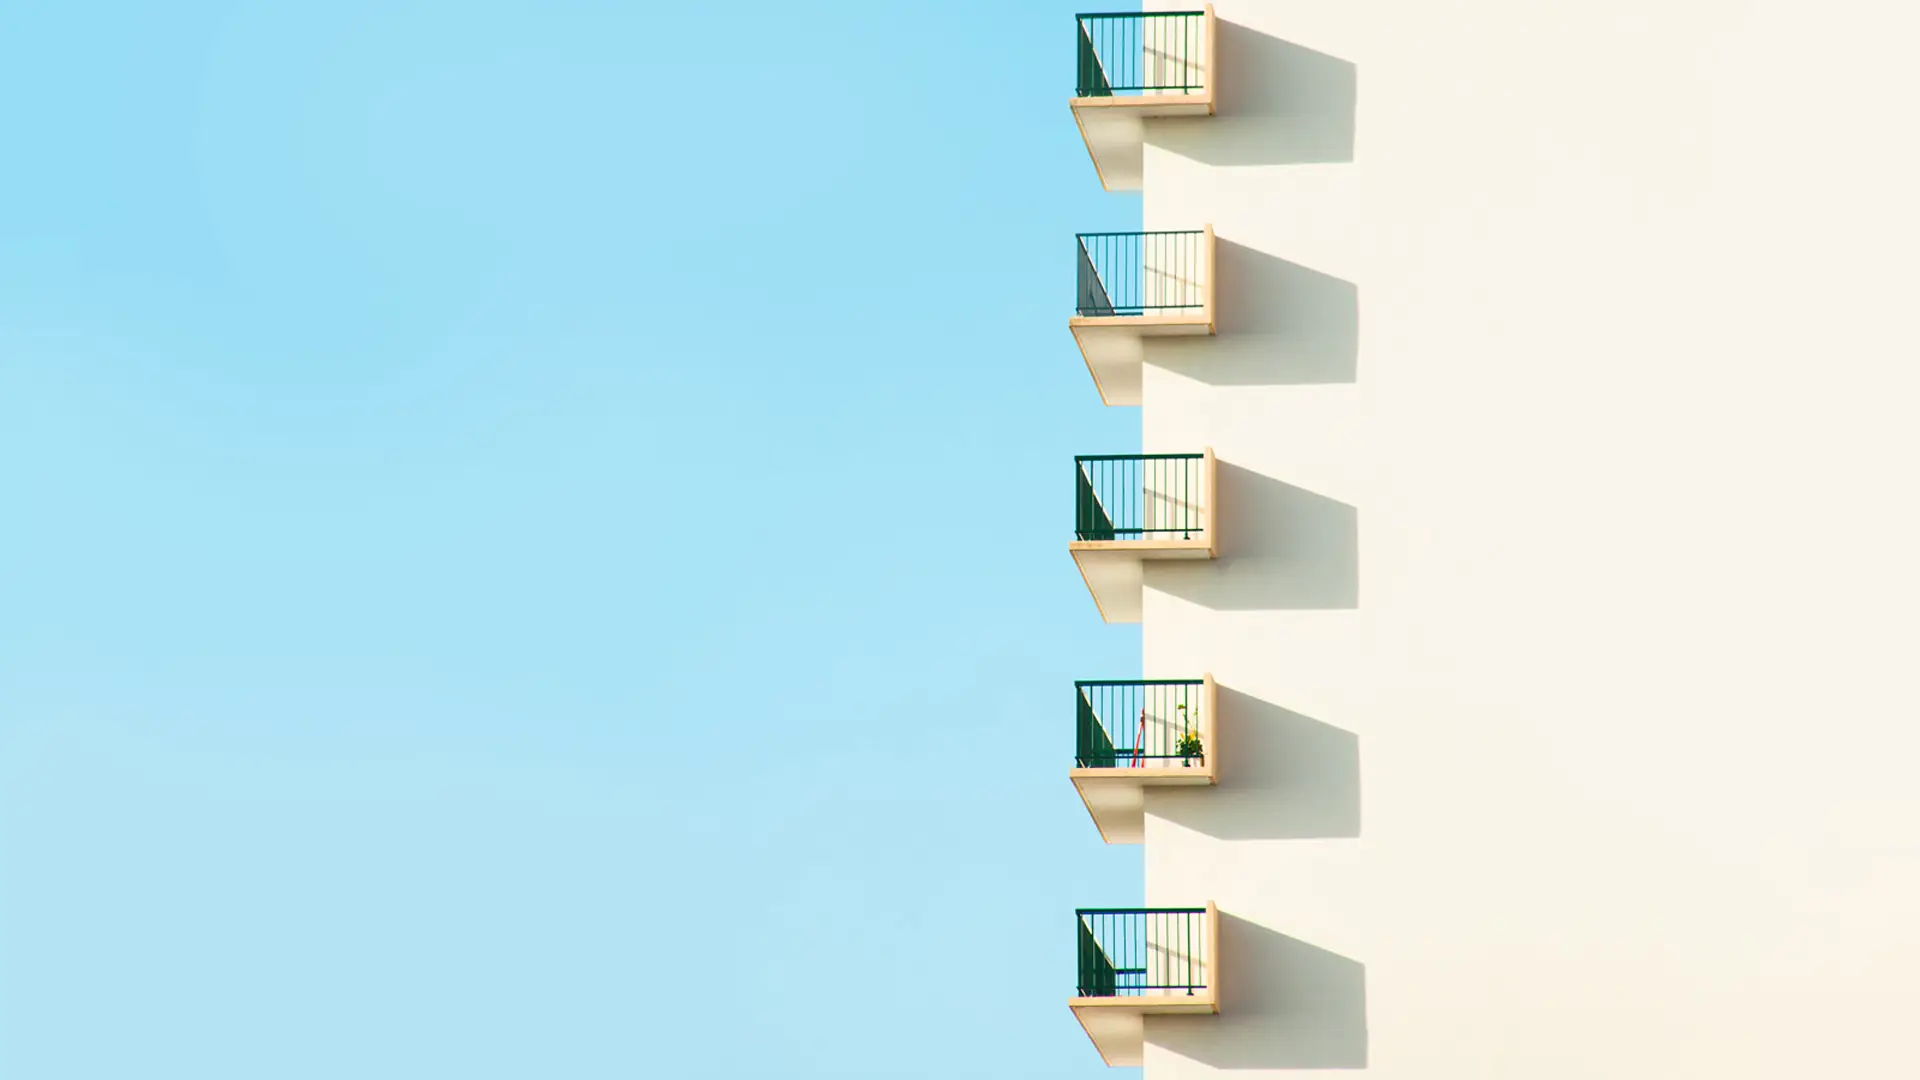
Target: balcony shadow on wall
1284 1004
1279 324
1279 548
1276 103
1283 776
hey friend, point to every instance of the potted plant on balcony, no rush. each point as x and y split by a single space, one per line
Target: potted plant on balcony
1189 746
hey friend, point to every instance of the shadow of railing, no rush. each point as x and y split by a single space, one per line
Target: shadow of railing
1284 1004
1276 103
1279 548
1282 776
1279 324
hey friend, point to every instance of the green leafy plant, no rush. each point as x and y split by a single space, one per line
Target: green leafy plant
1189 745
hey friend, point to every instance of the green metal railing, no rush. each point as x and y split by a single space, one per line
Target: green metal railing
1139 273
1130 952
1138 496
1137 724
1126 53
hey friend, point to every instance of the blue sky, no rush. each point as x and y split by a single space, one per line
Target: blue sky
535 541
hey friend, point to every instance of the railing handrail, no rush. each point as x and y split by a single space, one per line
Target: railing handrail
1132 496
1142 232
1123 53
1140 723
1166 949
1139 52
1138 457
1125 274
1137 14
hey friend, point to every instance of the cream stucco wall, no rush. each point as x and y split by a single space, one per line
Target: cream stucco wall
1564 400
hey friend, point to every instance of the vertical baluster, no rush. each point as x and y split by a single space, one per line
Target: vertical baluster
1117 75
1112 946
1152 931
1114 508
1130 469
1187 523
1099 482
1080 954
1097 258
1190 481
1095 479
1091 248
1177 720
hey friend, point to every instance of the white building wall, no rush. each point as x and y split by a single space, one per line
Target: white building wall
1567 404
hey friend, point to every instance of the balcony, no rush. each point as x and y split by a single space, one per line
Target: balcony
1131 69
1140 962
1132 509
1130 736
1133 286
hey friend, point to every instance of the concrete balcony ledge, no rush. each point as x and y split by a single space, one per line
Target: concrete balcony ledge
1132 70
1131 509
1136 963
1134 287
1133 735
